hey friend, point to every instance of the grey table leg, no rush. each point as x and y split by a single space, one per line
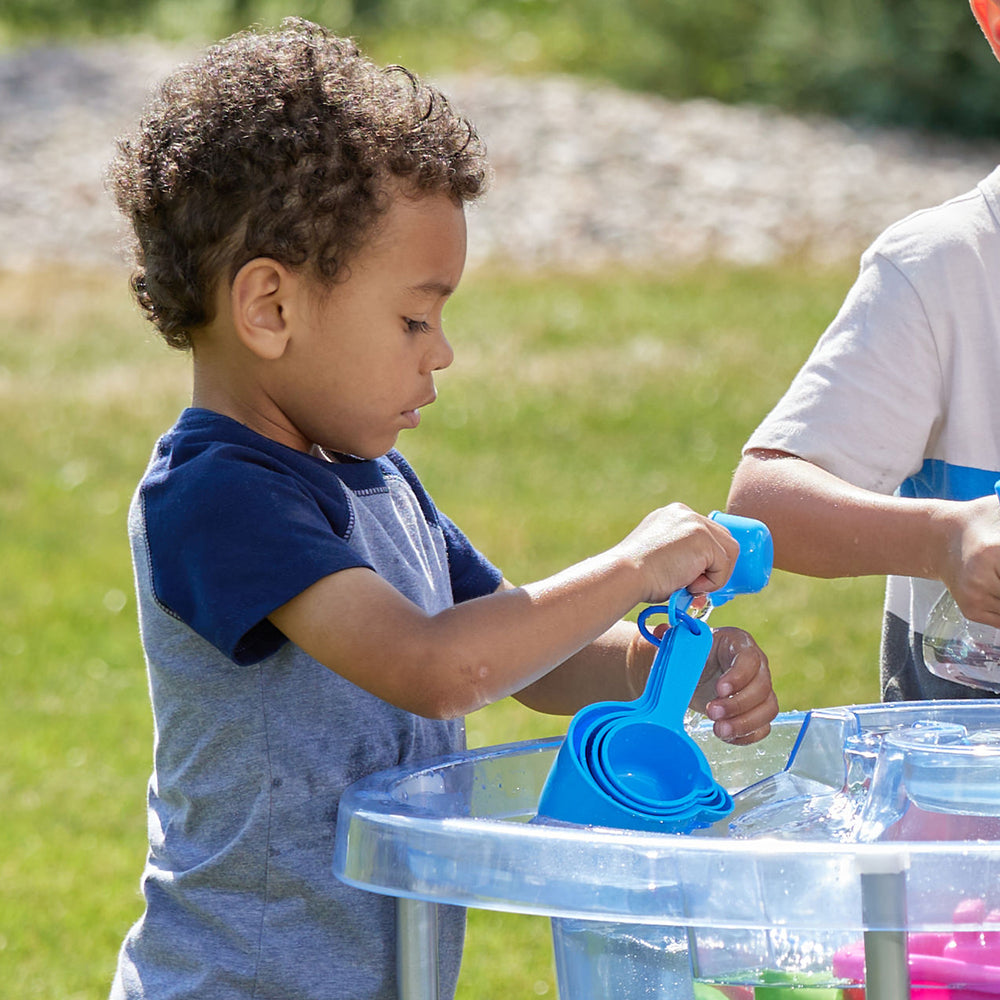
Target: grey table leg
887 975
417 950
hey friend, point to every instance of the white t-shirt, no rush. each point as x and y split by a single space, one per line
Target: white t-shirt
902 392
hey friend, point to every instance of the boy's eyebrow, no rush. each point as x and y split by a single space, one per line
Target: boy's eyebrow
431 287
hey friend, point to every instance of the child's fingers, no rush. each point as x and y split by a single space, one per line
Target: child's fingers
739 661
745 739
739 699
745 703
746 716
744 726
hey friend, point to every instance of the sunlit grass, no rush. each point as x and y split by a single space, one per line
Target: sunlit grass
574 406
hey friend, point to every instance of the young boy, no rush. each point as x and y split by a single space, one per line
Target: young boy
882 456
308 615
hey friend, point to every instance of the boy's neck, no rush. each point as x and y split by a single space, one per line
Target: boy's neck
230 389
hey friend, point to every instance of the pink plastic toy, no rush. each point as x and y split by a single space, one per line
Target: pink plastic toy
962 965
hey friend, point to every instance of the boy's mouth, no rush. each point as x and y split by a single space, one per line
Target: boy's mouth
412 417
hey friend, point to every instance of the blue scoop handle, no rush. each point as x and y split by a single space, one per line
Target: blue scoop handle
678 646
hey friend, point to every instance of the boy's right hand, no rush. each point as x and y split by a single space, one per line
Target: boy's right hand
676 548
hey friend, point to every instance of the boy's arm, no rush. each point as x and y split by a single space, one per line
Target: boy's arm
824 526
735 690
479 651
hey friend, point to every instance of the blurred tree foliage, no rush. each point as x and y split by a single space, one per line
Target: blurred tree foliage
910 62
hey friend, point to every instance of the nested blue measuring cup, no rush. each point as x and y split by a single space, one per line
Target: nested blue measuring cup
632 764
632 747
643 757
615 744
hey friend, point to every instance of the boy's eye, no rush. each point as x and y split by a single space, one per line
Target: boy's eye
417 325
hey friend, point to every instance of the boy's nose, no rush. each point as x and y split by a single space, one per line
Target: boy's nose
442 353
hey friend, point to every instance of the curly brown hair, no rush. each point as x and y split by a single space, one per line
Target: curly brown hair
277 143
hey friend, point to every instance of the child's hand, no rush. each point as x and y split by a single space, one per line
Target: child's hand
735 689
972 569
674 548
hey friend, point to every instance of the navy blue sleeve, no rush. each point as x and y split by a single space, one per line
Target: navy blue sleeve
472 574
232 537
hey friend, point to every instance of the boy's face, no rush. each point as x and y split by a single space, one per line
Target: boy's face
360 362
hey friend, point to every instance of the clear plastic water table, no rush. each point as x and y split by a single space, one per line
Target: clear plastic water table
862 859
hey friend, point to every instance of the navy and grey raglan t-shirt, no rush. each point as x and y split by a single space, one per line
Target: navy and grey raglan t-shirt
254 740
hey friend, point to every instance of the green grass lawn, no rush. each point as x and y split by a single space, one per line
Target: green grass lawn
575 405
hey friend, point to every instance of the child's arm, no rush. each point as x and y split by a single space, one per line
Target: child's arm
477 652
824 526
735 690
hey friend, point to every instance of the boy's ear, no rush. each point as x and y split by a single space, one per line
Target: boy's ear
261 294
987 13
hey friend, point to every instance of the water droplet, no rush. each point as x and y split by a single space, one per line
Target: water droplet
115 600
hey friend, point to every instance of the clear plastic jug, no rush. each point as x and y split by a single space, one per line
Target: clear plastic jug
961 650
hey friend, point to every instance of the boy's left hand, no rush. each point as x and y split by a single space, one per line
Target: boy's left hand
735 689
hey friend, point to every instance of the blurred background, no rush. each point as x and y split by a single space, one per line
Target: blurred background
682 190
916 63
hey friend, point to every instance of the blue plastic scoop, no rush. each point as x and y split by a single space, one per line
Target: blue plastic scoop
632 764
633 746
